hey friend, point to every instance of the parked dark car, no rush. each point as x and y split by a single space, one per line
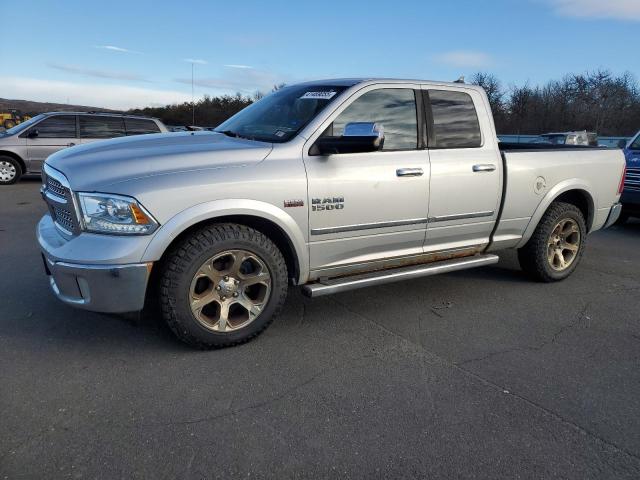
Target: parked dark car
631 195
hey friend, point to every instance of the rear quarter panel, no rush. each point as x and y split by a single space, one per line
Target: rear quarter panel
536 178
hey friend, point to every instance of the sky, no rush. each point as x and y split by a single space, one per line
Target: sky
125 54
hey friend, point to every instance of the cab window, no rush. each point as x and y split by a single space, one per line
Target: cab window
455 121
393 108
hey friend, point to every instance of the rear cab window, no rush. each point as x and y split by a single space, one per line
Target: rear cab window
454 120
101 126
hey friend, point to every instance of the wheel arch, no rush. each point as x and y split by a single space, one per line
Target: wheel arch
266 218
16 157
575 192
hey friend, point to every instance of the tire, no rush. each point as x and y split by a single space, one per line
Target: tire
214 290
9 124
549 255
10 170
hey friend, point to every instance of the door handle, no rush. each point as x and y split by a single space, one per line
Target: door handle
489 167
409 172
71 144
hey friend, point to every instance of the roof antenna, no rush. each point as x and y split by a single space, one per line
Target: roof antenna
460 80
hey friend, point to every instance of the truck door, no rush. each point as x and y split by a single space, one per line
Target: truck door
365 207
466 169
47 137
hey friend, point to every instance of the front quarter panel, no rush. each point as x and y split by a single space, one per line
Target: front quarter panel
181 200
220 208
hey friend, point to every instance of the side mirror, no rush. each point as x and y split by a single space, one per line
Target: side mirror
622 144
32 133
358 137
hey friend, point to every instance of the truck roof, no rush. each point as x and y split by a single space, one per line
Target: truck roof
349 82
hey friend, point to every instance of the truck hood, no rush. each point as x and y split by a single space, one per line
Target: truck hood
96 166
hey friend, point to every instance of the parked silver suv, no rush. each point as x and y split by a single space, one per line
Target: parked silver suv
25 147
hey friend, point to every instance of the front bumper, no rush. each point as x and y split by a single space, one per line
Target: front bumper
614 214
99 288
80 276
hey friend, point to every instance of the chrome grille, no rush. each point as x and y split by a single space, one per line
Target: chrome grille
632 182
64 219
60 200
56 187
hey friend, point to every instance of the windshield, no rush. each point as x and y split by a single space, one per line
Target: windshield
635 144
280 116
24 125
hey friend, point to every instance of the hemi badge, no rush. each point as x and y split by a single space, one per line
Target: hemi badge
293 203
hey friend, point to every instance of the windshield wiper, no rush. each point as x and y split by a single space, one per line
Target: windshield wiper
229 133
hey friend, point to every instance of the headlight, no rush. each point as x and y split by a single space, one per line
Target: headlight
109 213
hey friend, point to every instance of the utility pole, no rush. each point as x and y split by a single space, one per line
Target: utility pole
193 105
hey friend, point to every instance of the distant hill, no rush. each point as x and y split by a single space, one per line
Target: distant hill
34 108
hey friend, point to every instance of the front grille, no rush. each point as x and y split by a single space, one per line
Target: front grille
59 199
64 218
632 181
56 187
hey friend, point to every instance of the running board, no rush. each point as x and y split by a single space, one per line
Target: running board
344 284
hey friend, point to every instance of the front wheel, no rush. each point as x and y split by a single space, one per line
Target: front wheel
222 285
10 170
556 246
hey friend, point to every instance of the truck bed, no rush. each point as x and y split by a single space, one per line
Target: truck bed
535 174
510 146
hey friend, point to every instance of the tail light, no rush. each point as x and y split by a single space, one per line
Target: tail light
624 176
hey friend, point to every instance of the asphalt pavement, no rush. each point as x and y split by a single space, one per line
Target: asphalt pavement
476 374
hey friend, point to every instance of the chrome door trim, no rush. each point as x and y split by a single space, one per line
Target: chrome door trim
368 226
409 172
398 223
460 216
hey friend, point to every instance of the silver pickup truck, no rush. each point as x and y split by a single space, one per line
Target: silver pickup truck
329 185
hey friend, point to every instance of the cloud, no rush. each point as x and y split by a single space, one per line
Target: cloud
232 65
618 9
243 80
113 48
117 97
197 61
90 72
465 59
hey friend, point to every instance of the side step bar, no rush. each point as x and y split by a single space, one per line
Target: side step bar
344 284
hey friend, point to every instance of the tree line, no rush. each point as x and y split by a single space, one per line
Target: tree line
596 101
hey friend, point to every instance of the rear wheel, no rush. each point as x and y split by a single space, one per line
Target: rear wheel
10 170
556 246
222 285
9 124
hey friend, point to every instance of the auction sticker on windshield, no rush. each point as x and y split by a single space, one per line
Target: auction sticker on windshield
319 95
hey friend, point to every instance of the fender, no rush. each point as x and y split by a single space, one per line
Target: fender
552 194
220 208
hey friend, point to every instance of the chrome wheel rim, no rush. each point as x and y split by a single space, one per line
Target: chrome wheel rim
563 245
230 290
7 171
